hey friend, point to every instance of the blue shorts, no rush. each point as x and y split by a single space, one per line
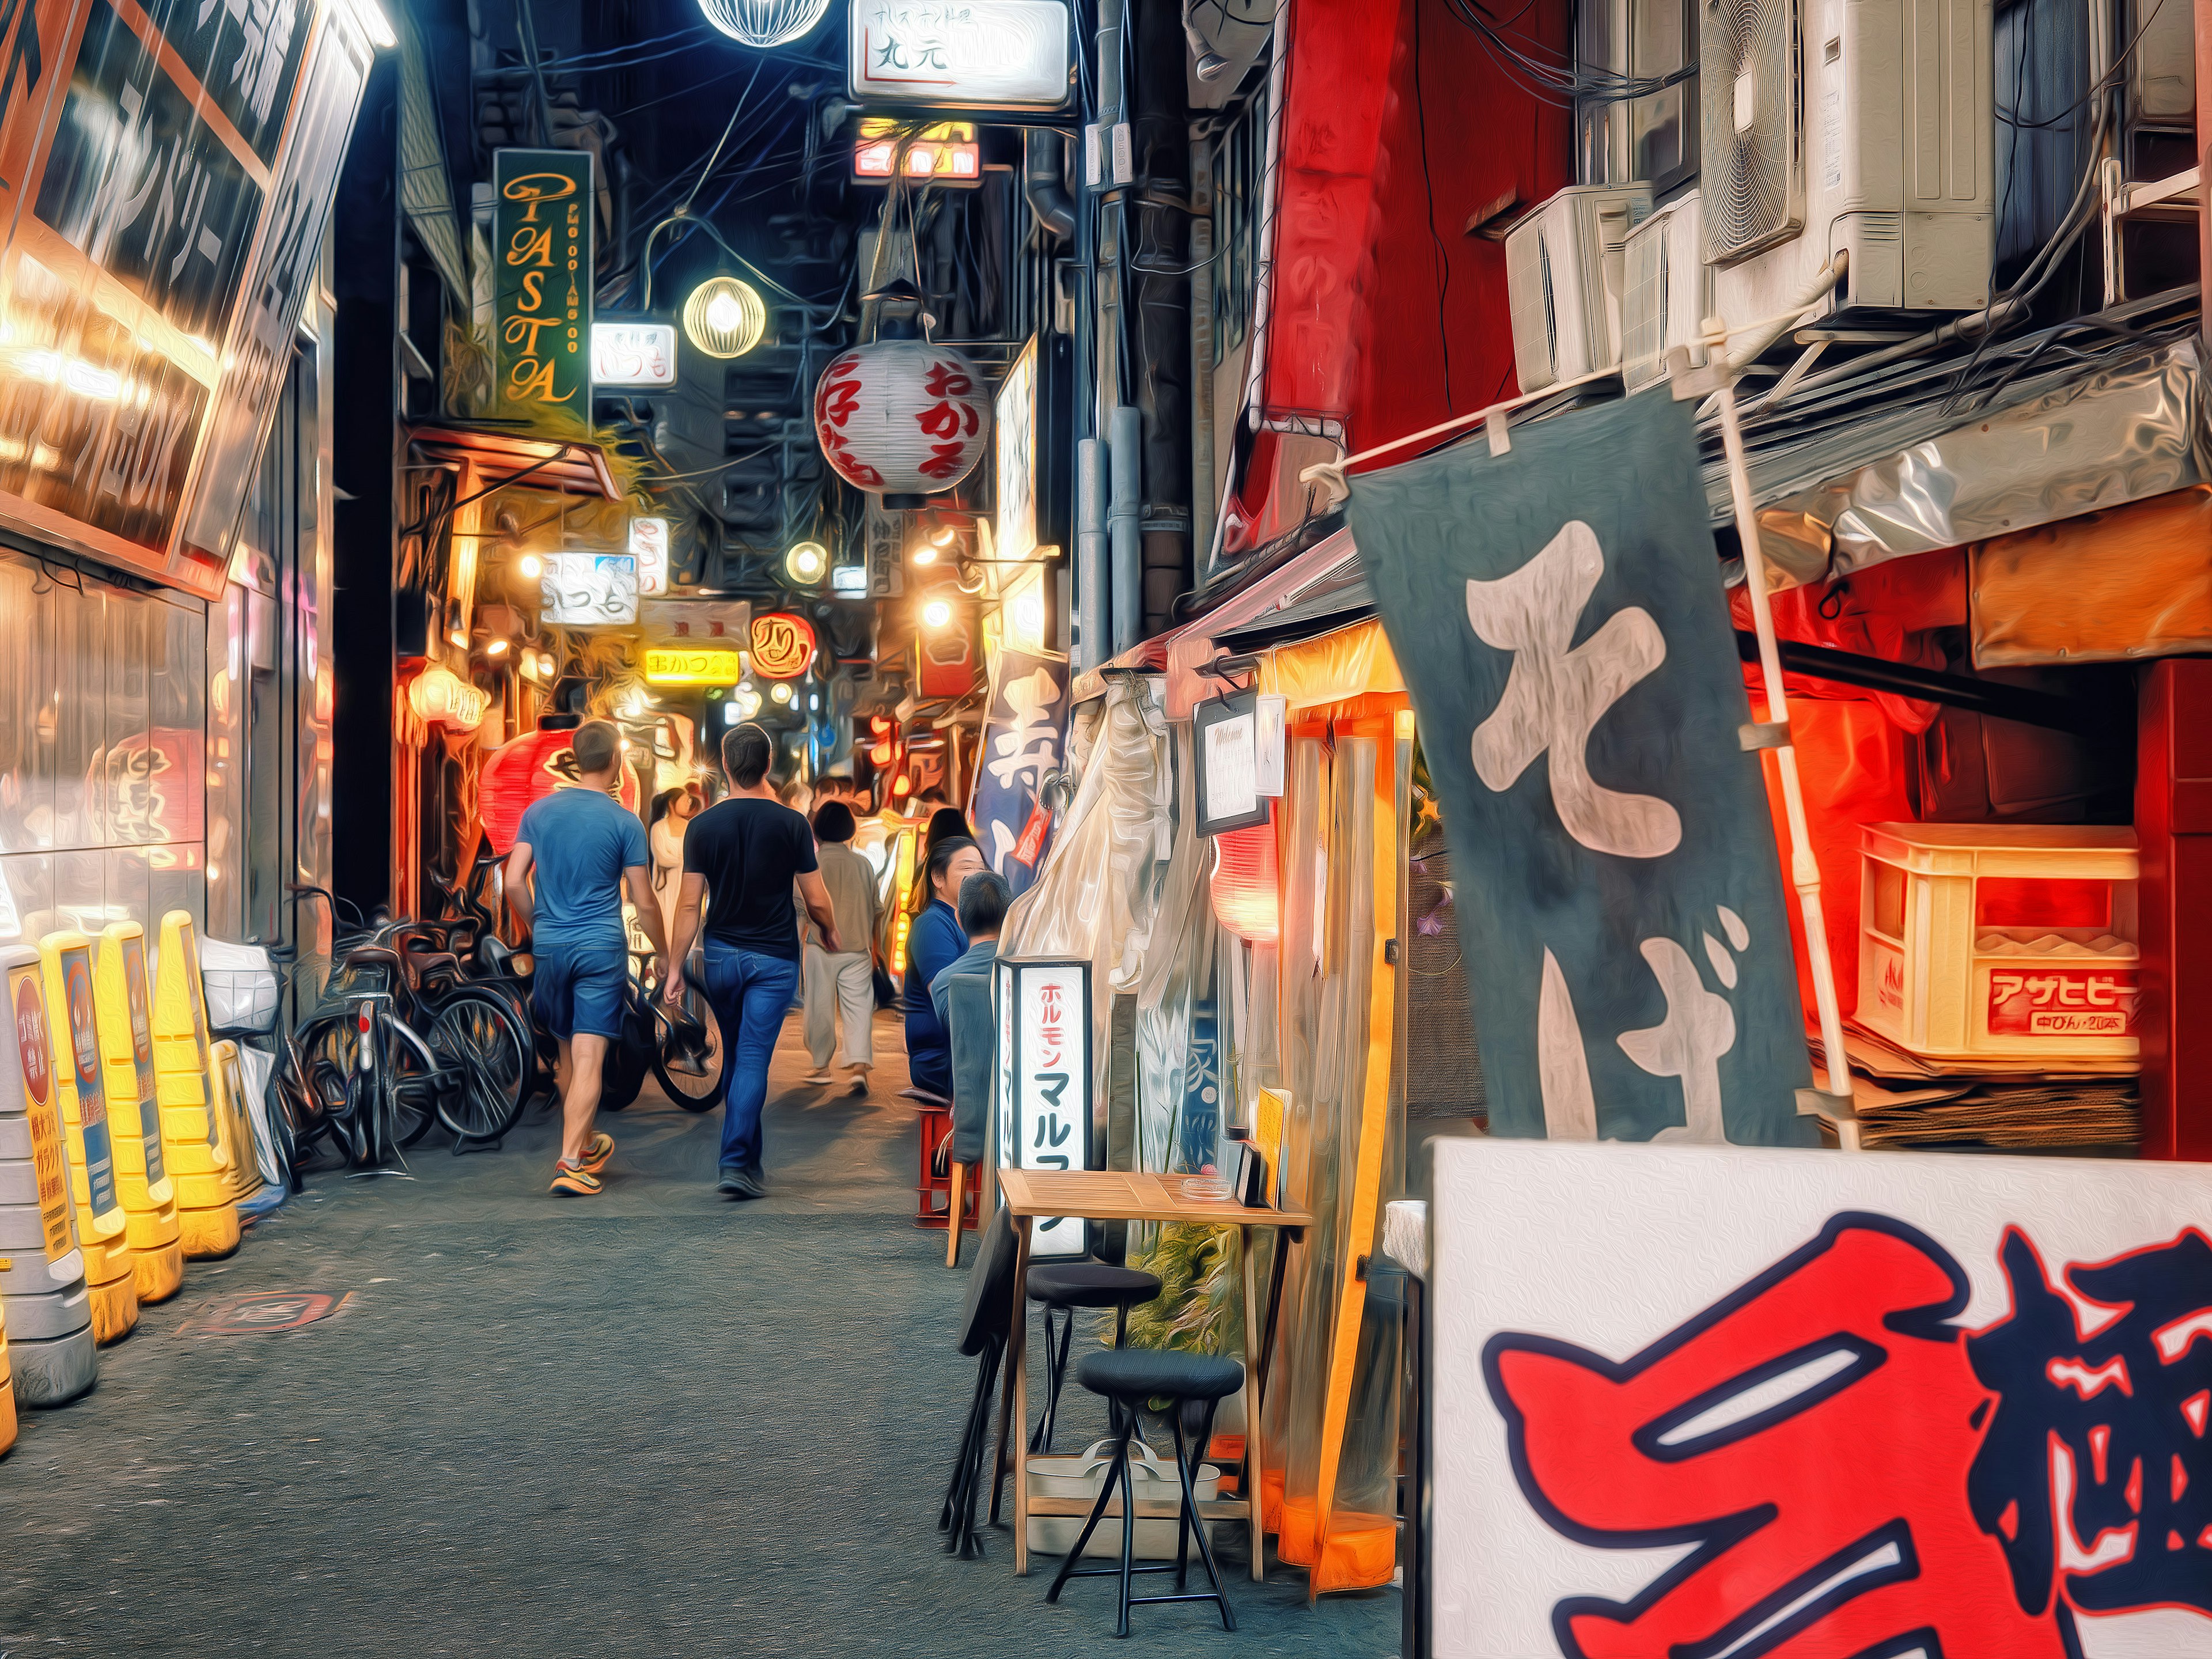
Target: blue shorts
580 990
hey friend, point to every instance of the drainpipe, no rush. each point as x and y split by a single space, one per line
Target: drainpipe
1091 644
1044 183
1123 522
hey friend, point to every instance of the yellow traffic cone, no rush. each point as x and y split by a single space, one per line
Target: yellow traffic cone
65 961
127 1047
53 1357
208 1139
6 1387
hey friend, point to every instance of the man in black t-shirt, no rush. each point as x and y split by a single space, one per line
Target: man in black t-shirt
741 858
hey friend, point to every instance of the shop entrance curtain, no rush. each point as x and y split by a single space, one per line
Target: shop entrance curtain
1558 611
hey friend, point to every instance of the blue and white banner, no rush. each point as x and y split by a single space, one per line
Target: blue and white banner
1558 616
1022 746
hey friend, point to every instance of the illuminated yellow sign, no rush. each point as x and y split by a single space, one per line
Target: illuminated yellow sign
693 664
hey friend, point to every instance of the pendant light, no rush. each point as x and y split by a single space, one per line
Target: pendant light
764 23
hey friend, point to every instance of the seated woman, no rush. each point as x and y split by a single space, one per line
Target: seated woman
934 944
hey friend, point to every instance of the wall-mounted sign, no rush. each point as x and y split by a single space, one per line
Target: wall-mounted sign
439 696
981 54
589 590
1227 732
164 175
542 286
1015 412
632 354
849 580
783 644
1044 1081
648 545
946 153
687 665
697 622
1728 1400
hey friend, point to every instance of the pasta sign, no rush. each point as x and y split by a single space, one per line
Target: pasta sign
543 298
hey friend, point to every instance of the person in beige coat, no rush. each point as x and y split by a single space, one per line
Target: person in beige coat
842 983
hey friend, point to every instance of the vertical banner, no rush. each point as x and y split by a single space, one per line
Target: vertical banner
1021 746
1045 1119
542 290
1567 646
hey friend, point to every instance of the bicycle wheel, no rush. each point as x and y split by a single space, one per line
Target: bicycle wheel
694 1092
475 1034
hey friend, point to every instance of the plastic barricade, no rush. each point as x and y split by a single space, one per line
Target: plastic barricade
43 1295
7 1390
65 975
209 1137
123 1026
126 1041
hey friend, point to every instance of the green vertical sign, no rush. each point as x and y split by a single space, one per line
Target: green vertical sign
542 298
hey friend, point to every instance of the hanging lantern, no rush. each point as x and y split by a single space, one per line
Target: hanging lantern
724 317
1245 897
782 645
764 22
528 768
903 418
439 696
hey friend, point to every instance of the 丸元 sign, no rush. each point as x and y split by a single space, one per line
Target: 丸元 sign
981 54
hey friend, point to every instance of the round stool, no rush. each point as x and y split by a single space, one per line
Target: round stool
1128 1378
1064 1287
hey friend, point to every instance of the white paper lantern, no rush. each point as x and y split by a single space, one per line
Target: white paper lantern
764 22
902 419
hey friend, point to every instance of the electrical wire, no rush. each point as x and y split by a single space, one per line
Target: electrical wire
1442 262
1559 83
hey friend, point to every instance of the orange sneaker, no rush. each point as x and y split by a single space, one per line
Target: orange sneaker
570 1178
596 1151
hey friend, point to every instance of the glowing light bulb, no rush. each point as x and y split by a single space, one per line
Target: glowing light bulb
529 567
936 614
924 554
495 648
781 692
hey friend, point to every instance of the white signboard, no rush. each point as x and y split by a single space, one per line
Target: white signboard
1726 1401
648 545
589 590
1014 532
979 54
632 354
1044 1109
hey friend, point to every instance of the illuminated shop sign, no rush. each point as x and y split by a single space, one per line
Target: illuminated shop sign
648 545
677 665
783 645
985 54
946 153
1044 1082
542 289
589 590
632 354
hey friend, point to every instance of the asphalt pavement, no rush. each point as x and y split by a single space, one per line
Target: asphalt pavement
654 1422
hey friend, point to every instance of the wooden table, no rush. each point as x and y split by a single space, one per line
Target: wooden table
1132 1195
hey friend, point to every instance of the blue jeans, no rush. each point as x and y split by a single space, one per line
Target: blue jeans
750 994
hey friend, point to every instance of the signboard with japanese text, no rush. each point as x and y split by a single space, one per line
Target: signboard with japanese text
165 175
648 545
782 645
278 281
589 590
1014 529
1567 648
1745 1401
688 664
967 54
632 354
1022 735
541 283
1044 1104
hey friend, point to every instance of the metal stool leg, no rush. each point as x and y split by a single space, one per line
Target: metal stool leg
1117 1470
1055 1360
1128 1526
1190 1511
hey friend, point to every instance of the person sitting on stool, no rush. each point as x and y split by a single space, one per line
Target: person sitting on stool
984 897
932 944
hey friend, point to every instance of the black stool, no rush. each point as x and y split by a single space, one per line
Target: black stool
1128 1378
985 1322
1064 1287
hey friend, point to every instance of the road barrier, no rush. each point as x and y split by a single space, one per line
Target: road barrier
65 965
44 1299
207 1135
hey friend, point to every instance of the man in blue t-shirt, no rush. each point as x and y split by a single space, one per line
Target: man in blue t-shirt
582 849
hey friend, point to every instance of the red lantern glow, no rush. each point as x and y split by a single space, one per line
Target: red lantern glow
902 417
782 645
1246 899
529 769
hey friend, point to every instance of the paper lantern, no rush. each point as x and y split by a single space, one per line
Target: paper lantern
1246 898
529 769
724 317
439 696
764 22
902 419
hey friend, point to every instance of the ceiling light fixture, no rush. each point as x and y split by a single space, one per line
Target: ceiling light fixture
807 563
936 614
529 567
724 317
764 22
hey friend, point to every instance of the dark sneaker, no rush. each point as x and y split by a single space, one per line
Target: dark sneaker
741 1183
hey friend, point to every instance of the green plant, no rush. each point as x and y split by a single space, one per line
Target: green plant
1200 1307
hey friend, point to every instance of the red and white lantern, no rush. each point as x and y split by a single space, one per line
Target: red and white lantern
902 419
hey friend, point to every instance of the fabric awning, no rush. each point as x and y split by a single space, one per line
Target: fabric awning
504 458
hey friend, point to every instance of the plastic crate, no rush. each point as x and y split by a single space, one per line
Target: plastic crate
2006 945
240 983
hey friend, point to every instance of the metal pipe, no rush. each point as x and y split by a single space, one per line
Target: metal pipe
1044 183
1990 698
1124 518
1091 569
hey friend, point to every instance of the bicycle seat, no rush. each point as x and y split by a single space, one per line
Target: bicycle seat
373 956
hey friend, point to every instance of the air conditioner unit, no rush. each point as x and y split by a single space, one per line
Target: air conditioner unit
1563 278
1668 294
2162 76
1871 134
